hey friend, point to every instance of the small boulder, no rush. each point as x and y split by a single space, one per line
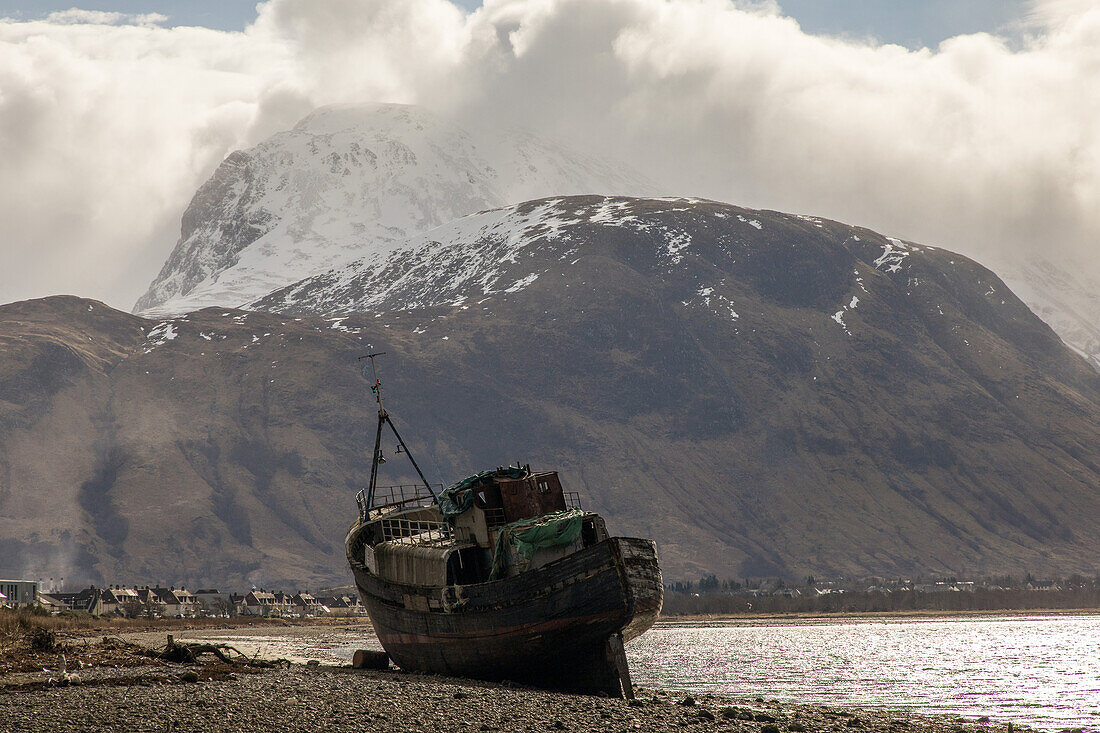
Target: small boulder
689 701
704 714
769 728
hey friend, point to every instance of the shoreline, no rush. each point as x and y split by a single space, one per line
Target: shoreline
339 698
92 627
115 676
704 619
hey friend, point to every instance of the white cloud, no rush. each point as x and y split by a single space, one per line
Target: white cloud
105 132
99 17
107 129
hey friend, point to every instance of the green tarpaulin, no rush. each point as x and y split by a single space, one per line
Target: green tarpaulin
536 533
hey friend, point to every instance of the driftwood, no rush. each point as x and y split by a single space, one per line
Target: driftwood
190 653
367 659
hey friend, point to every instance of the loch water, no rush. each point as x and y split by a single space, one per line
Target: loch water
1041 671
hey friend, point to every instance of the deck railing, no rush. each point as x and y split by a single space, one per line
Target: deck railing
424 531
413 495
494 516
404 495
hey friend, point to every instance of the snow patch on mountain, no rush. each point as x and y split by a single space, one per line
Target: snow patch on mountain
161 334
893 255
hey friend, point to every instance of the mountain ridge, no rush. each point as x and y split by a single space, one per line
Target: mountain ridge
764 394
354 180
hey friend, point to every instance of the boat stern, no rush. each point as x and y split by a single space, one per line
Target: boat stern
641 578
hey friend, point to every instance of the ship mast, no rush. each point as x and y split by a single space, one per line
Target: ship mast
384 419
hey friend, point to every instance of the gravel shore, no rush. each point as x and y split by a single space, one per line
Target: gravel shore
331 698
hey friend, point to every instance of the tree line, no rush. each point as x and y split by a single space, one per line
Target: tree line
712 596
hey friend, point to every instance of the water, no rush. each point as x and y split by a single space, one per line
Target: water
1042 671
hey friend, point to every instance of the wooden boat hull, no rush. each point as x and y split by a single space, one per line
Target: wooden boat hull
548 627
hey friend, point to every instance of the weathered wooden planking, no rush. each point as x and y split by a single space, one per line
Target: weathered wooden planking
547 627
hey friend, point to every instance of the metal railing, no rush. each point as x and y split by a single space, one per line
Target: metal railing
494 517
404 495
418 531
413 495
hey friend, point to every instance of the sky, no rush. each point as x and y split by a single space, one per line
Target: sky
913 23
967 124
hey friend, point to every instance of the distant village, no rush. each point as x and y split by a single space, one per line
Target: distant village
171 602
708 595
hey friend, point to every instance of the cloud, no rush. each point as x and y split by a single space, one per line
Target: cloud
106 129
105 132
100 17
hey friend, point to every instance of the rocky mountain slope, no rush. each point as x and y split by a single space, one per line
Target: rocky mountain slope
348 181
762 393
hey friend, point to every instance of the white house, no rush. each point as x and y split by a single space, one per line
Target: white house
19 592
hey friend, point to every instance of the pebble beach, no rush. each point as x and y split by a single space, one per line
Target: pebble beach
312 697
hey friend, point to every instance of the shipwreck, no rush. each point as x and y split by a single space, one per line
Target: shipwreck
502 576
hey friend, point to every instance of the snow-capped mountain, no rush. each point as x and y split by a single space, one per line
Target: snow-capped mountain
506 250
537 245
348 181
354 183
